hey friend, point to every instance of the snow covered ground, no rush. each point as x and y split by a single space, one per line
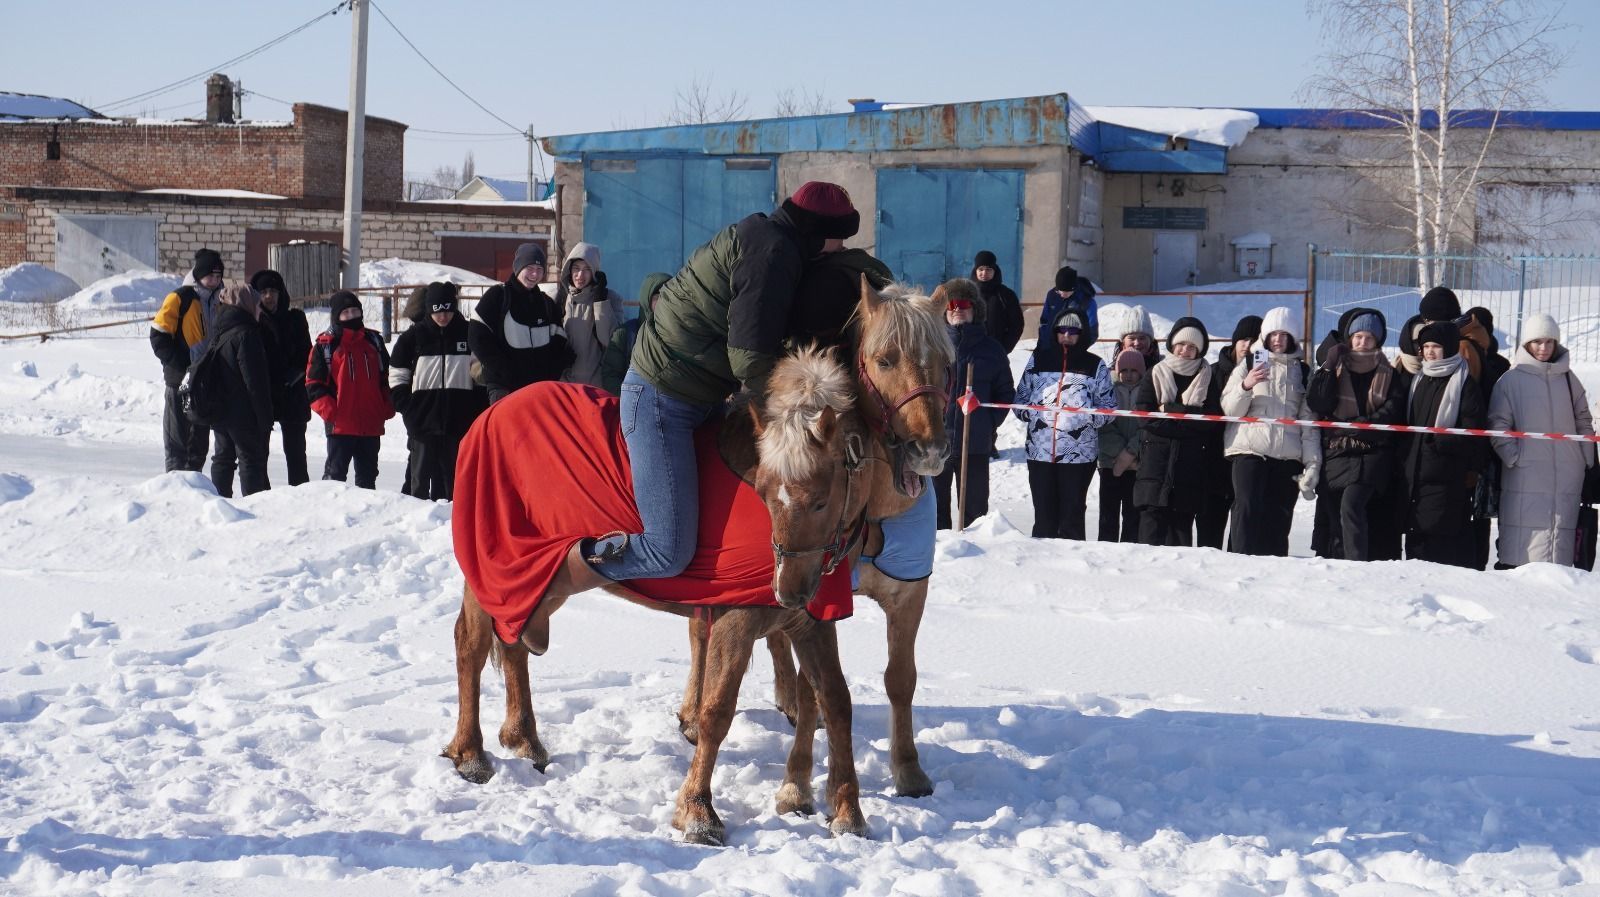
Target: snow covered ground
248 697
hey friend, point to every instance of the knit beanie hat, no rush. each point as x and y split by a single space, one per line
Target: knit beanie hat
1249 327
985 259
824 210
1445 334
1540 327
1067 279
1190 335
1129 360
1071 319
960 288
440 296
1137 320
1439 304
207 261
527 254
1368 322
340 301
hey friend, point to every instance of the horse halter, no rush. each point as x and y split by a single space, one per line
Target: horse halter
882 424
839 548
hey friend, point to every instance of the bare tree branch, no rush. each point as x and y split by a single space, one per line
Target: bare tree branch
795 101
695 104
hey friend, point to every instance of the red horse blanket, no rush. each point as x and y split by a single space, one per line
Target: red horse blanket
547 466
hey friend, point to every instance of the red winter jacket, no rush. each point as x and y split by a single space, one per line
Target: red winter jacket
351 390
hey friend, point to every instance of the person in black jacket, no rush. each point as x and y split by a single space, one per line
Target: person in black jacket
178 335
287 339
431 383
246 380
1211 524
1175 455
1440 470
965 311
1002 311
1486 495
515 332
1354 383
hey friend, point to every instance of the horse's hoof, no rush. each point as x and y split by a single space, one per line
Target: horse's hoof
477 770
849 824
793 800
706 834
538 758
912 782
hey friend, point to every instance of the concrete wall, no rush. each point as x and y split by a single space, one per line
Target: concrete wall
1337 189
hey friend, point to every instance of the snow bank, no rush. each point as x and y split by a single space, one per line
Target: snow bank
33 282
129 292
403 272
1226 127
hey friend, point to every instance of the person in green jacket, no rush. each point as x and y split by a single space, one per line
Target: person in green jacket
614 364
717 326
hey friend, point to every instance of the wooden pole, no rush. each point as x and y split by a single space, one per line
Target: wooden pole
966 435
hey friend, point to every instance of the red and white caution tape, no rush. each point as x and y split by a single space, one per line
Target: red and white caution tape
969 403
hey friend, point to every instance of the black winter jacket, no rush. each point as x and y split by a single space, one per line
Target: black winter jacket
1352 457
516 336
287 339
430 380
1003 313
991 382
246 377
1440 471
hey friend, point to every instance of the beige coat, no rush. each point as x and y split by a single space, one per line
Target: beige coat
589 317
1282 394
1543 478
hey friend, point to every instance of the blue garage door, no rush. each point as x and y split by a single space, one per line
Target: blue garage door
649 214
932 221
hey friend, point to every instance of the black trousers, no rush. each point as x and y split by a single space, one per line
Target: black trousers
243 449
363 450
184 443
1060 498
1165 526
1211 524
1479 529
294 450
1454 549
1264 492
1386 522
1119 519
431 473
1348 529
977 489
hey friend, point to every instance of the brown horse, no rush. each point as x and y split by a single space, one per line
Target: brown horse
804 454
904 355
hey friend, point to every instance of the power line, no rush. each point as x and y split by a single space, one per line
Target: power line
168 88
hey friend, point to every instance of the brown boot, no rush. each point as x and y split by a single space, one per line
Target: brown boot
574 576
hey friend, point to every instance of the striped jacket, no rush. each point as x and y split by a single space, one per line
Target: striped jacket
430 380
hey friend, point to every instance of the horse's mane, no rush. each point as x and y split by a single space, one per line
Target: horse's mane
909 318
800 388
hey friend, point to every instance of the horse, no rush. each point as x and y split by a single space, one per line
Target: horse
803 454
903 351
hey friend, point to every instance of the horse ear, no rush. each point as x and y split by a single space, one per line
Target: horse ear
869 296
827 425
755 417
938 296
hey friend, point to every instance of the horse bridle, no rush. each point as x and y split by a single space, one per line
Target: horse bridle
841 544
883 423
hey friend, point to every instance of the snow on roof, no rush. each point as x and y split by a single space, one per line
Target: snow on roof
1256 239
1224 127
233 194
25 106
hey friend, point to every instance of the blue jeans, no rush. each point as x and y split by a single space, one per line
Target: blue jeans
659 430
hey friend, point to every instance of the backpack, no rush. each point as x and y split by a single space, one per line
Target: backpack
201 394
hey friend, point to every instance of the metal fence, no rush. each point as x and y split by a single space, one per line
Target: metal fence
1512 288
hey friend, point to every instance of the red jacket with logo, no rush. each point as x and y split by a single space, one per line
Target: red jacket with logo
347 378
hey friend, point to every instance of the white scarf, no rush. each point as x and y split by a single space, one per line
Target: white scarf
1454 367
1168 369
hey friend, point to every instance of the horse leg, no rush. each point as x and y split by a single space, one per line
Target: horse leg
903 606
783 676
689 710
727 655
520 733
818 648
795 794
474 637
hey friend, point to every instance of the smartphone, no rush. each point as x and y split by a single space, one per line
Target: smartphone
1262 356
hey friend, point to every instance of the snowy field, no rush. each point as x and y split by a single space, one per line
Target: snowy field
248 697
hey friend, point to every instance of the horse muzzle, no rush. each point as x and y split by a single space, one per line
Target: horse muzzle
795 588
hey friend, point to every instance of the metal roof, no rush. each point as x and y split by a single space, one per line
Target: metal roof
511 190
26 106
1346 119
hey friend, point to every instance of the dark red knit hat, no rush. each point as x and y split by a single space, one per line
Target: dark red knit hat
824 209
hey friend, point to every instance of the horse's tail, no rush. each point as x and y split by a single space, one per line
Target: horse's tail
496 652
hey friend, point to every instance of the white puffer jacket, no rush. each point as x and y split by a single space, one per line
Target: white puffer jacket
1282 394
1543 478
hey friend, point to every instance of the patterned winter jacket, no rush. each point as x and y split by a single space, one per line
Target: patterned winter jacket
1065 438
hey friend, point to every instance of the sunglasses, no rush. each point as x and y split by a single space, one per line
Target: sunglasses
1072 331
959 305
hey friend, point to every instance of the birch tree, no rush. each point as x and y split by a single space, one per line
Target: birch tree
1439 75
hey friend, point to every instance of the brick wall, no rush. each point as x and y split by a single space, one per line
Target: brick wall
403 230
304 158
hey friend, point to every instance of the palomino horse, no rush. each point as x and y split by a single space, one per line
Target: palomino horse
804 455
903 354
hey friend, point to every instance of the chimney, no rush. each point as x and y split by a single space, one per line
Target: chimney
219 99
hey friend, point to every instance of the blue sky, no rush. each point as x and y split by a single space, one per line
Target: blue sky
599 65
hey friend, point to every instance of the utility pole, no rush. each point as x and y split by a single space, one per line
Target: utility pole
355 144
529 134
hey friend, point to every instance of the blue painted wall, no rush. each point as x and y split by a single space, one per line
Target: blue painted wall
932 221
